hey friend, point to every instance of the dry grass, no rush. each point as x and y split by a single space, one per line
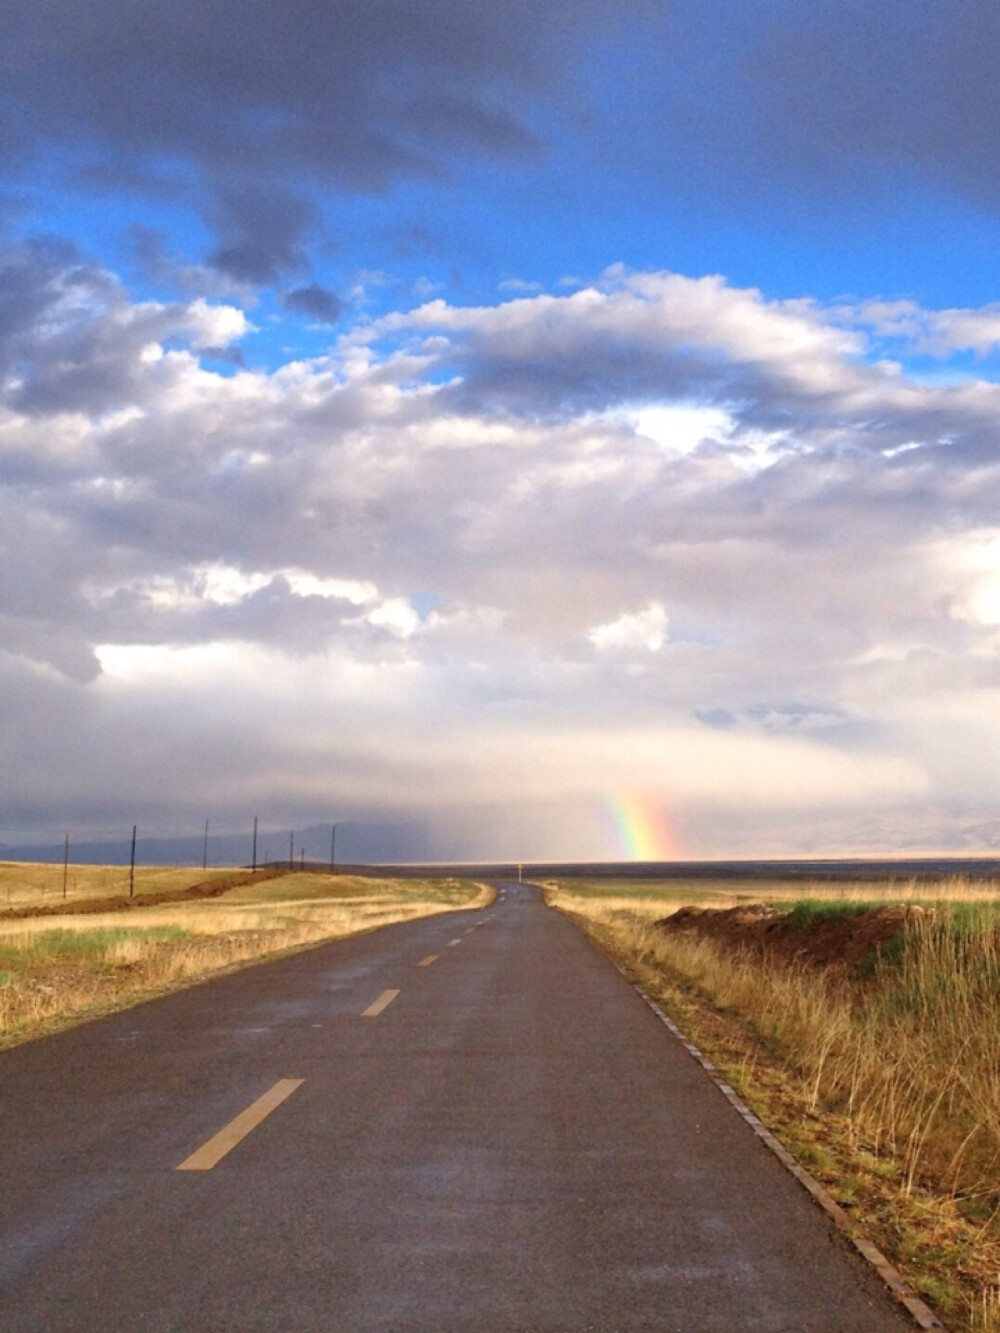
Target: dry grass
54 969
36 884
660 897
903 1069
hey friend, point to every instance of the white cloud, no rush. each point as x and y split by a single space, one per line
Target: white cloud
304 584
519 285
464 527
934 332
682 426
226 586
216 325
633 629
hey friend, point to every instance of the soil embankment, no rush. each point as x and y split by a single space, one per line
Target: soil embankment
832 941
209 888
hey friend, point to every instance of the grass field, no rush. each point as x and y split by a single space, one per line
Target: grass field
885 1084
35 884
56 969
659 897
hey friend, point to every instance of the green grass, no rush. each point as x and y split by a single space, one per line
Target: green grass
53 943
972 918
809 911
670 891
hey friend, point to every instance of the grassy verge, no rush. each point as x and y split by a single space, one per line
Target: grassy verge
887 1087
58 970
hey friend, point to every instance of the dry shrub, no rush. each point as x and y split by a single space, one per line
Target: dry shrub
984 1311
912 1058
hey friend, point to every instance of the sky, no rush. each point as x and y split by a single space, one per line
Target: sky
554 430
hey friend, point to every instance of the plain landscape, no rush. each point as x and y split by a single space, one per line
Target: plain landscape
99 948
859 1018
500 643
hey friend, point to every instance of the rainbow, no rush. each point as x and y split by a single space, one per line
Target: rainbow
640 829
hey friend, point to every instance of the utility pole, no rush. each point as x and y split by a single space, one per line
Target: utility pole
291 851
131 872
302 858
65 864
254 866
333 849
204 849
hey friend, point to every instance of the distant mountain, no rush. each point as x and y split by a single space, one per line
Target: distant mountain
357 844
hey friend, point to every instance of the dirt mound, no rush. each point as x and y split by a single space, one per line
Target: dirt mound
208 888
822 939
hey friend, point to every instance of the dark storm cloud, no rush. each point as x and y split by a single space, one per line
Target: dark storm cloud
153 258
32 279
836 99
263 101
317 302
905 83
260 232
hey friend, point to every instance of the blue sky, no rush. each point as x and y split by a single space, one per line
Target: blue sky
511 411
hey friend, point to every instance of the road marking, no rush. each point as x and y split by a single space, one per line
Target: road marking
470 930
383 1002
219 1144
452 943
431 958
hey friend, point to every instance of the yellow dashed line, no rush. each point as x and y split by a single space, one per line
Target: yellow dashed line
431 958
219 1144
383 1002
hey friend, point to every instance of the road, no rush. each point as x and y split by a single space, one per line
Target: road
473 1123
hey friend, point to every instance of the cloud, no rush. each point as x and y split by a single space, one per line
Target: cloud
264 127
838 111
447 548
314 301
70 339
519 285
153 259
633 629
639 337
261 230
251 116
934 332
911 90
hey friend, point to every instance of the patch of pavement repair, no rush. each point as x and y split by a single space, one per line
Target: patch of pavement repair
893 1279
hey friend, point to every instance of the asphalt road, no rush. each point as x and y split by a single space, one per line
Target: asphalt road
508 1139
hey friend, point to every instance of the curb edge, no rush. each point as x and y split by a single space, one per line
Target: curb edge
893 1279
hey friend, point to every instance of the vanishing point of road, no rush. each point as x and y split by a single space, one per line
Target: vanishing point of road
465 1124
